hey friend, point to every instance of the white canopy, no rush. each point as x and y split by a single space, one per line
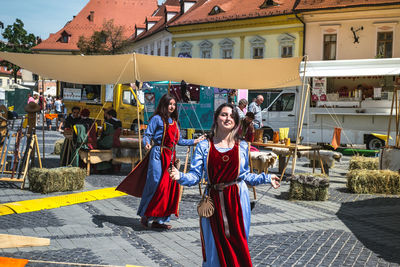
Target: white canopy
352 68
126 68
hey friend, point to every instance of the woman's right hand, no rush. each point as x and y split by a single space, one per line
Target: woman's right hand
147 147
275 181
174 173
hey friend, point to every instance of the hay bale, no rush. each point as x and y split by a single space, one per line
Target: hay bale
360 162
373 182
309 187
56 180
58 146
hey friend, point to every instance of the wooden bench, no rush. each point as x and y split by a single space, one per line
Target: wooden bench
94 156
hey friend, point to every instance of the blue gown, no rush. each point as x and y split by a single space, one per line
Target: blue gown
193 177
154 132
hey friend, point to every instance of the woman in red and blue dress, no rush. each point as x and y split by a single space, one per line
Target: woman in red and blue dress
160 196
224 160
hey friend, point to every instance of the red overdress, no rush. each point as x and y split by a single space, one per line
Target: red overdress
165 200
230 237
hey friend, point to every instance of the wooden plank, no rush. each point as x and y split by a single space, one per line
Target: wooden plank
16 241
291 146
6 179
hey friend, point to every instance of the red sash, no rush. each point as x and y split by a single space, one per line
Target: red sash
227 222
165 200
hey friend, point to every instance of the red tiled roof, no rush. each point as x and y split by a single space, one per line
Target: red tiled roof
124 12
154 18
173 8
232 10
141 26
5 71
332 4
170 6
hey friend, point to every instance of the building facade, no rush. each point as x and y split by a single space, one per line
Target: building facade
351 29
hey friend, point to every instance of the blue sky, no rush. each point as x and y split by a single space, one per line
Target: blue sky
40 17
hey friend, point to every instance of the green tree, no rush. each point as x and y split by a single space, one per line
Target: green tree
17 40
109 40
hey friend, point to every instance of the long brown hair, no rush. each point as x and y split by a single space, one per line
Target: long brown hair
235 115
162 108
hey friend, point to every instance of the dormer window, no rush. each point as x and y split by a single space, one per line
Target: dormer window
268 3
186 5
64 37
215 10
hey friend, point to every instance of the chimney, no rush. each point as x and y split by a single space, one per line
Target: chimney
91 16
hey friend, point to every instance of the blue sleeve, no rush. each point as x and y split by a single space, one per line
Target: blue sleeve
245 174
195 174
185 142
154 123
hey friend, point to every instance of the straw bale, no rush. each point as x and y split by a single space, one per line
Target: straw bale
373 182
56 180
309 187
360 162
58 146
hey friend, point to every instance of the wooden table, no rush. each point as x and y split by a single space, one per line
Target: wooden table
292 149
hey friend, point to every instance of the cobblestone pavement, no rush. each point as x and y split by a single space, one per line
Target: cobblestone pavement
346 230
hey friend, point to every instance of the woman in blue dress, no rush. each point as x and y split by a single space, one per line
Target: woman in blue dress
224 160
159 194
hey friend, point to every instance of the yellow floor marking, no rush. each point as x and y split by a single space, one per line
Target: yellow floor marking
5 210
58 201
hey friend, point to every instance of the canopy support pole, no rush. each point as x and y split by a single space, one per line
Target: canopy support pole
137 107
302 108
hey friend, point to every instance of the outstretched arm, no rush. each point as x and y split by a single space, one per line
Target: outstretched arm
195 174
254 178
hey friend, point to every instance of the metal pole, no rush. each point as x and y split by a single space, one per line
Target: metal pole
390 119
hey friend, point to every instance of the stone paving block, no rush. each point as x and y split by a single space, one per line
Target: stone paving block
65 243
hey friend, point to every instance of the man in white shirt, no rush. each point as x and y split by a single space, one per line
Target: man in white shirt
255 107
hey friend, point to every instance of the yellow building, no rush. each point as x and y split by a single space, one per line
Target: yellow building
238 29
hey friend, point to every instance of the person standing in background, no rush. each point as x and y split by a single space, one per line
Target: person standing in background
241 107
30 98
58 106
49 105
255 107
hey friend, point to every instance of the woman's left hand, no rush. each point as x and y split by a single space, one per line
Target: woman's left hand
174 173
275 181
201 138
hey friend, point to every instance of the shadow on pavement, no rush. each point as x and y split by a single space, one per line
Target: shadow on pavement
133 223
343 190
10 185
375 222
